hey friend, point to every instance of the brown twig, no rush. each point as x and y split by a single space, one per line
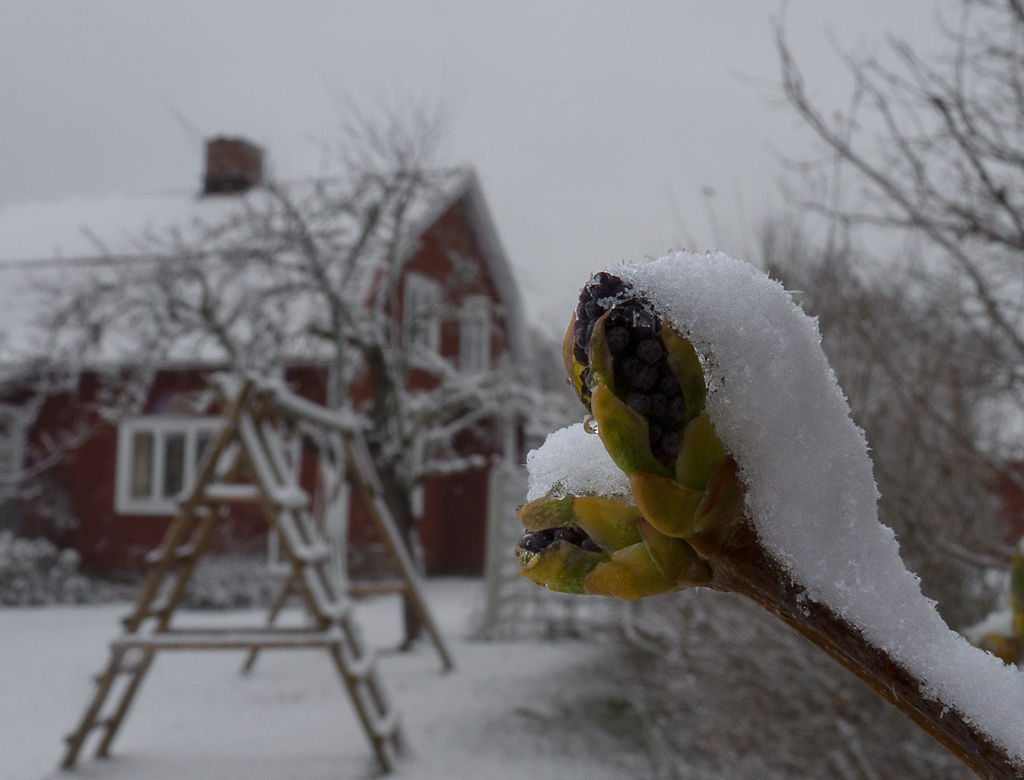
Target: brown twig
747 568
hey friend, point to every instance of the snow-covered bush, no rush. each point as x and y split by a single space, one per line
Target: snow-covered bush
35 571
232 582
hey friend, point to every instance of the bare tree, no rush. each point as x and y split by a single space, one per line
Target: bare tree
310 271
926 166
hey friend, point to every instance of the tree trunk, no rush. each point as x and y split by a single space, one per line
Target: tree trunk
396 495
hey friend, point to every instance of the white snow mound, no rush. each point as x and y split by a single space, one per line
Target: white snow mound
572 462
776 405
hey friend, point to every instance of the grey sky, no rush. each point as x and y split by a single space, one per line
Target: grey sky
594 125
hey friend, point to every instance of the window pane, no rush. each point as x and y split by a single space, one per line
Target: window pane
142 465
421 313
475 335
174 464
203 438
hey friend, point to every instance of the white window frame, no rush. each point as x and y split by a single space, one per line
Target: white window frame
475 334
160 426
421 314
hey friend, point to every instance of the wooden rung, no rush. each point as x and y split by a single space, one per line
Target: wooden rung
377 588
226 493
157 610
295 405
312 553
387 726
360 668
128 669
96 724
336 612
181 553
291 497
229 640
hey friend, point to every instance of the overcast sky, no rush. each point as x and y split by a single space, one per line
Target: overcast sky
595 126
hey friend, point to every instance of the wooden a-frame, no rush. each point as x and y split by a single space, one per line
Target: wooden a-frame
246 462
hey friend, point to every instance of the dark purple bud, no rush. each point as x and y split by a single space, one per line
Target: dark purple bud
594 310
630 368
653 434
645 323
589 545
670 445
580 354
570 535
645 378
639 403
618 339
649 351
534 542
668 384
677 409
659 405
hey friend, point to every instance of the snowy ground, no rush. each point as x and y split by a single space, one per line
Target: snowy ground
522 709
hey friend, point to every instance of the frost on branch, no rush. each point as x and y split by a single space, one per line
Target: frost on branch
809 546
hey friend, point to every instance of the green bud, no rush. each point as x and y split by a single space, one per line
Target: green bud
610 522
600 355
667 505
547 512
675 559
631 574
700 455
560 566
624 433
573 367
688 498
685 364
723 503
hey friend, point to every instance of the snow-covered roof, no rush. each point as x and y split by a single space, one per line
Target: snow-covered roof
88 227
56 242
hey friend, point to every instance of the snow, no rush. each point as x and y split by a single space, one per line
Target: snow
197 717
573 462
810 490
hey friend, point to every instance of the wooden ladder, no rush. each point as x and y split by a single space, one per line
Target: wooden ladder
247 445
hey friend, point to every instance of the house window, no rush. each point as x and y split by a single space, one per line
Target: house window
475 335
421 321
157 457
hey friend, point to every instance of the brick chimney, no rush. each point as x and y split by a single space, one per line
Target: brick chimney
233 165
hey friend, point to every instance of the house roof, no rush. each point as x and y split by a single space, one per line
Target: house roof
47 244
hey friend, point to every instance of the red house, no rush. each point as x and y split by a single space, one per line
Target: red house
112 493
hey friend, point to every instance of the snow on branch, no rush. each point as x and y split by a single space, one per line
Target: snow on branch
803 541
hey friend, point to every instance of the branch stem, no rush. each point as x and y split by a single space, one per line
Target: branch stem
747 568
